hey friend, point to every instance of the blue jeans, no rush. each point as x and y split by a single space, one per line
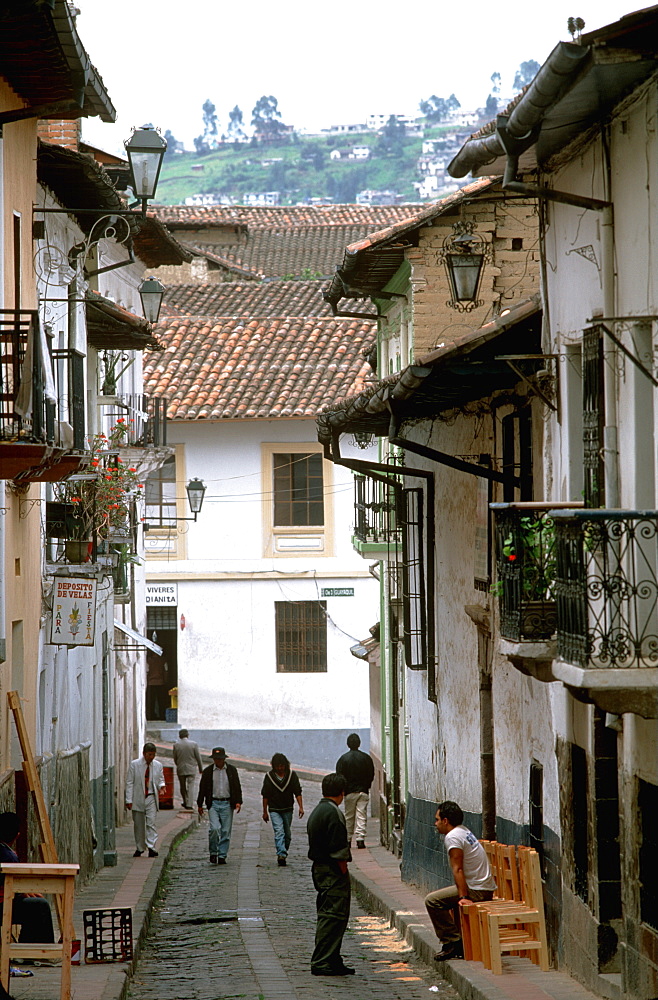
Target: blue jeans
220 817
281 822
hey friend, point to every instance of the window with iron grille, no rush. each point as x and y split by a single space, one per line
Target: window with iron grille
160 496
161 618
301 636
411 519
536 809
579 798
298 485
593 417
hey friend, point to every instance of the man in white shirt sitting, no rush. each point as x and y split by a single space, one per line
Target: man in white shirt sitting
472 875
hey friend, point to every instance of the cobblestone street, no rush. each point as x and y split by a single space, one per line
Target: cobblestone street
246 930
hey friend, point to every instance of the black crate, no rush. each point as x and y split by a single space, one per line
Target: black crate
108 935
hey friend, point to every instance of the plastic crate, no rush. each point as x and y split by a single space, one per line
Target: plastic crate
108 935
171 715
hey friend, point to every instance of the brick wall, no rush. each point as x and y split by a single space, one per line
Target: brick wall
60 132
512 231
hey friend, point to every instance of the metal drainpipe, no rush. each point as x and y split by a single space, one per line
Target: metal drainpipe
610 446
3 613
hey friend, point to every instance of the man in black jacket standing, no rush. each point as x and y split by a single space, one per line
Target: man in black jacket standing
329 851
221 793
358 770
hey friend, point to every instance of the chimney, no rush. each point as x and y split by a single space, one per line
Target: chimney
60 132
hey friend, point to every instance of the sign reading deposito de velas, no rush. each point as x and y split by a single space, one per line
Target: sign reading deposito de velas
74 611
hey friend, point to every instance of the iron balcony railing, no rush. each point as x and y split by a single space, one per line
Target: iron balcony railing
525 570
606 587
28 411
144 417
374 511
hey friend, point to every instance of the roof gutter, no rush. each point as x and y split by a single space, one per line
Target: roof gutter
556 76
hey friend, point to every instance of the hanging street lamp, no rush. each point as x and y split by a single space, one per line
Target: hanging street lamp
145 149
196 491
151 292
464 253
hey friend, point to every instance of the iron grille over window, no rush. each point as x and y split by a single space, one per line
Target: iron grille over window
160 496
298 497
593 416
374 510
161 618
410 517
301 636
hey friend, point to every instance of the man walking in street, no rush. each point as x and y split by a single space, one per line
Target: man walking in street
143 784
329 850
358 770
472 875
221 793
188 763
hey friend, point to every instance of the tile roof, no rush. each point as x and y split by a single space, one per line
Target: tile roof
250 298
227 368
372 216
277 251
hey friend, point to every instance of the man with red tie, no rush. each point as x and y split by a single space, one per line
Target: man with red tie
143 784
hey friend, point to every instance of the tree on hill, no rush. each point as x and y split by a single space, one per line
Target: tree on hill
491 107
391 138
452 103
173 144
434 108
235 131
526 72
266 117
495 82
209 138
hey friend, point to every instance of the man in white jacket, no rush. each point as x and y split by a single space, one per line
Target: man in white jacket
143 784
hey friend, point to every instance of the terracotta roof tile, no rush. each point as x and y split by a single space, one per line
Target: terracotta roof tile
235 298
372 216
228 367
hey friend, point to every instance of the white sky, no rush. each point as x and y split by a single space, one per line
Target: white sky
326 63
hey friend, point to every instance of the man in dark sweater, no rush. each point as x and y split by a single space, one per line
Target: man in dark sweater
358 770
329 850
280 788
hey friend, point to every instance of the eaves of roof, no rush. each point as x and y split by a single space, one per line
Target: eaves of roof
369 264
78 181
577 87
44 61
225 263
446 377
111 327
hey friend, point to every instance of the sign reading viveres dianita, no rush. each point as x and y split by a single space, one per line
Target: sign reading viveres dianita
74 611
161 593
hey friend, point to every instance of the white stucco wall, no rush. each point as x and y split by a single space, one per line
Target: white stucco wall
227 588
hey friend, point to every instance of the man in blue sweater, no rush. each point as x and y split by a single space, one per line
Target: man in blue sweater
329 850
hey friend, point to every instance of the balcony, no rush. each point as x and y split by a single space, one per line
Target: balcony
376 533
525 585
606 591
41 408
144 444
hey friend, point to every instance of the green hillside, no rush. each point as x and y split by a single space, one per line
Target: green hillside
299 168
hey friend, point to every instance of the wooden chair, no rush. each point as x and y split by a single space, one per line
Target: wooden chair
39 878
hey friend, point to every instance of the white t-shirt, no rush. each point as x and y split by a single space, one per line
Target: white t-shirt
476 866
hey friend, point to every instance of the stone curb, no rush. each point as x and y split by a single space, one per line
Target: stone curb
143 912
463 976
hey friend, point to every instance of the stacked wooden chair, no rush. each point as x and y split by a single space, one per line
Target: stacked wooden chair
513 921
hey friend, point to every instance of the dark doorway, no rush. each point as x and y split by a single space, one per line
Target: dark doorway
161 671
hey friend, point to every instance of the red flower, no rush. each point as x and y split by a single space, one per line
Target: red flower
132 470
511 558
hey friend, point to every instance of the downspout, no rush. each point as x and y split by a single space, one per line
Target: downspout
3 596
610 445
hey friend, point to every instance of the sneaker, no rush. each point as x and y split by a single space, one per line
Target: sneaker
361 844
221 861
152 853
137 854
213 859
281 861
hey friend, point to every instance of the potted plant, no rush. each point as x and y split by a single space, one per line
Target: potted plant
528 555
99 505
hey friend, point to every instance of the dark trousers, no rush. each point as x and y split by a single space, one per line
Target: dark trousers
333 906
33 914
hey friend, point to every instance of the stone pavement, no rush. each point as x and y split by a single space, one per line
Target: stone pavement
251 924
